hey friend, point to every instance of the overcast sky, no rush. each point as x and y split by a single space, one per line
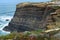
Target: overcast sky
19 1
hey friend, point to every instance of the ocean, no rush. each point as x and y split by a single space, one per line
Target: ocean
6 12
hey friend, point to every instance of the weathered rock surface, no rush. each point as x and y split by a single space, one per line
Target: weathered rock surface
30 16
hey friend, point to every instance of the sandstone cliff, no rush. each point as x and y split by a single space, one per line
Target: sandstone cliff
30 16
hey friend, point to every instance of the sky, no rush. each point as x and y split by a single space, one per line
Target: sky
19 1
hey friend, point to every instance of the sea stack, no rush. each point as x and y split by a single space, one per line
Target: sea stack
29 17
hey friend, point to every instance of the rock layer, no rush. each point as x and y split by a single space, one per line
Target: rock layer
30 16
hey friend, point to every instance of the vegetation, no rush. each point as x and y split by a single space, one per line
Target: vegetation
10 36
32 35
56 7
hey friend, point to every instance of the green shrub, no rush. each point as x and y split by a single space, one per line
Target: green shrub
56 7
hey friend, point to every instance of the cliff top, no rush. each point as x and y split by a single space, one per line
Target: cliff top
39 4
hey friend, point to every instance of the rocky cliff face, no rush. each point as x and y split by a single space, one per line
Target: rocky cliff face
30 16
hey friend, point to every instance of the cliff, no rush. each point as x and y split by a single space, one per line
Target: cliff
30 16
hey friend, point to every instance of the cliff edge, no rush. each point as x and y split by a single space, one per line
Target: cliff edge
30 16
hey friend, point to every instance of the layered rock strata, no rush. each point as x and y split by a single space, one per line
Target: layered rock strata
30 16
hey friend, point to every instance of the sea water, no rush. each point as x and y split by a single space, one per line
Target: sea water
6 12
